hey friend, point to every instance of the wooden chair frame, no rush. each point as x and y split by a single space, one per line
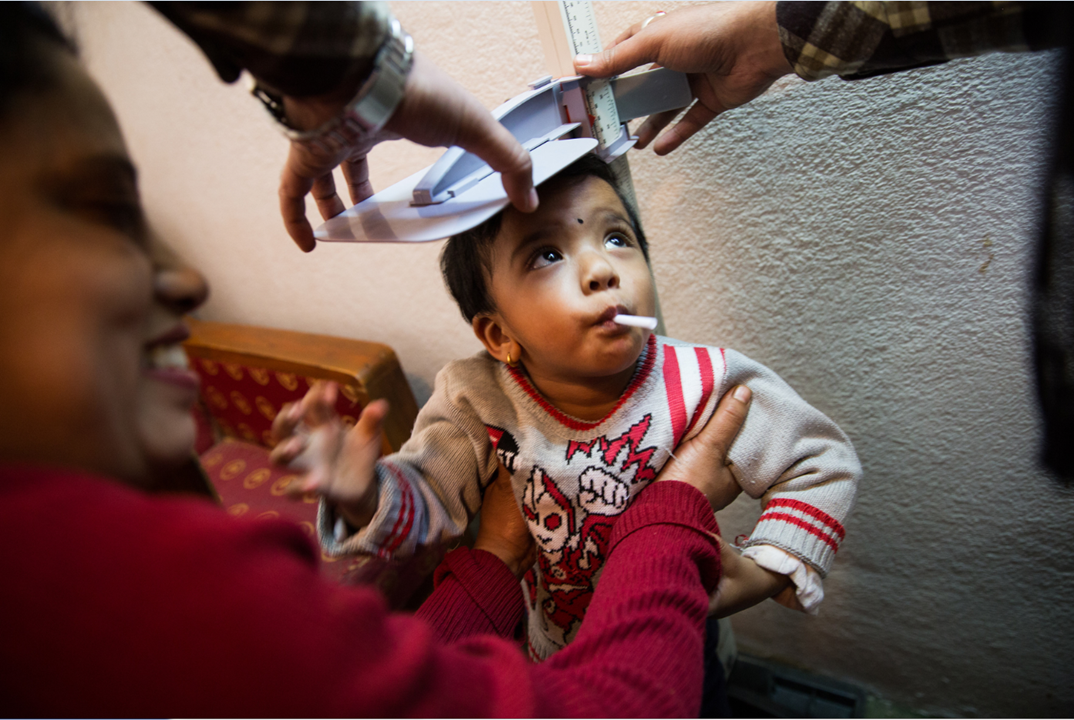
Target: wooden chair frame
371 370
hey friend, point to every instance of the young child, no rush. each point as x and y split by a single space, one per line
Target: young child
582 412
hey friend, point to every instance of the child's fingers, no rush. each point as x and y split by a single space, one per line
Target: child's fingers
314 478
319 405
313 409
285 422
361 446
356 473
292 414
298 488
371 421
288 449
309 401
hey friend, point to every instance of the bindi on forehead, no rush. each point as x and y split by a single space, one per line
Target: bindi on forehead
581 221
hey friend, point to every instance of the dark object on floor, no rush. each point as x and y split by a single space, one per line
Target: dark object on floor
1053 292
714 691
760 689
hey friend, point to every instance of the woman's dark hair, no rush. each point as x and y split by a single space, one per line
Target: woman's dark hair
466 261
26 32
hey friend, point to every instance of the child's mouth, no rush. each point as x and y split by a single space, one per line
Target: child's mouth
610 313
606 320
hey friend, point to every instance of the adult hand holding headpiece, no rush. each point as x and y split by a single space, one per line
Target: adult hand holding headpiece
341 78
730 51
429 94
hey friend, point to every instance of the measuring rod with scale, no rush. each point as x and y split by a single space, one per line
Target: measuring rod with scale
556 120
581 26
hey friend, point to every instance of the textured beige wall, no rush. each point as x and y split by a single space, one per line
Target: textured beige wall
869 241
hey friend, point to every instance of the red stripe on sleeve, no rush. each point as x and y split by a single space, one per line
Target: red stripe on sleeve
704 365
792 520
405 521
807 509
673 385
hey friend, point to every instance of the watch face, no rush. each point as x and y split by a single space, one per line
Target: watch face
273 104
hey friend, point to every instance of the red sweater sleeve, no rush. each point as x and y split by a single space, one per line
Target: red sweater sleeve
121 604
639 650
474 594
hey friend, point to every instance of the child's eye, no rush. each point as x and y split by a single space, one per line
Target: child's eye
545 257
618 240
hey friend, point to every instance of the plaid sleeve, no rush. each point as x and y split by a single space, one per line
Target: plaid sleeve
861 39
296 48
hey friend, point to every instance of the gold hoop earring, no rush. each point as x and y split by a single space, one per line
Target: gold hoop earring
509 358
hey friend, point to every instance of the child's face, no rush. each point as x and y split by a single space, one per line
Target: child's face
559 276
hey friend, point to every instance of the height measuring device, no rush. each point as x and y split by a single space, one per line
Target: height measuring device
580 25
557 120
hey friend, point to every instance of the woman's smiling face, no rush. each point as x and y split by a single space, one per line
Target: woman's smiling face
77 282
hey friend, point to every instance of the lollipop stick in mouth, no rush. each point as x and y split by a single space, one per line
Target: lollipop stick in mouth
636 321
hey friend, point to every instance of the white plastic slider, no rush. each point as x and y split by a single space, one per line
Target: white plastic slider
636 321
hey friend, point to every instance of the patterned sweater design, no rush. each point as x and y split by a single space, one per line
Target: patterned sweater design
574 478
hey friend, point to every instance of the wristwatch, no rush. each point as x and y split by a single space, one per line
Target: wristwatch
370 109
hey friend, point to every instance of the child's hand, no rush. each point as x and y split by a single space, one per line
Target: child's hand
743 583
336 462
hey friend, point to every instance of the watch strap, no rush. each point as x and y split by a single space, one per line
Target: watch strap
369 110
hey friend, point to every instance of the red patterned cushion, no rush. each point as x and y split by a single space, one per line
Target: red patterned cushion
244 400
252 487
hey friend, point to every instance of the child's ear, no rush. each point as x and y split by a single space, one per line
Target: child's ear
490 332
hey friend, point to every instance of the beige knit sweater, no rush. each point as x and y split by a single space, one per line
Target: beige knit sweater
573 478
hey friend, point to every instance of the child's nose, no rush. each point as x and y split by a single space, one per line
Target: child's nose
600 274
612 281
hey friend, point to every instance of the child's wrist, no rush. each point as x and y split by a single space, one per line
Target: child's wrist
357 513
